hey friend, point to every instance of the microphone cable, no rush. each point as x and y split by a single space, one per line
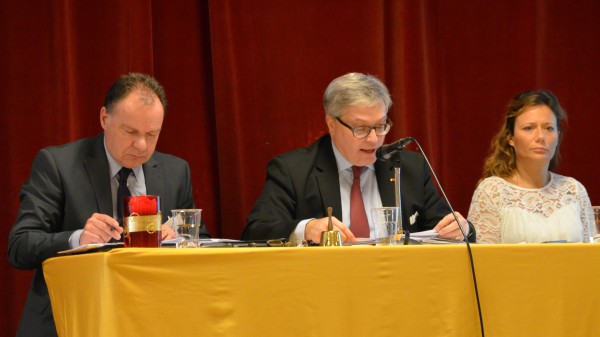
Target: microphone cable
461 230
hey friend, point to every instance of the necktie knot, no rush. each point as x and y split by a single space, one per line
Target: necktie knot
357 171
123 175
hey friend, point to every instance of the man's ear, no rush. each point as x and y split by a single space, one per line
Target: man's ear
104 117
330 122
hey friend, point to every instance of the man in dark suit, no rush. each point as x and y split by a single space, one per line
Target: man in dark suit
70 196
341 168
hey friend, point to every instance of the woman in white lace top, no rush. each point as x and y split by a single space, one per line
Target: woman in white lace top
518 198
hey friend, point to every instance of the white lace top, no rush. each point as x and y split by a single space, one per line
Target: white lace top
505 213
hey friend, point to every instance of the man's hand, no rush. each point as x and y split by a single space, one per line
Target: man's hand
448 229
167 233
100 228
316 226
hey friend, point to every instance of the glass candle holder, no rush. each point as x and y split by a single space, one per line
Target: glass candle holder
142 221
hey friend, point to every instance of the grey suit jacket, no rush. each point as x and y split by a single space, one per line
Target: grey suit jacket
301 184
67 184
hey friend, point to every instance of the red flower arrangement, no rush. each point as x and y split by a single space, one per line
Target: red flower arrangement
142 205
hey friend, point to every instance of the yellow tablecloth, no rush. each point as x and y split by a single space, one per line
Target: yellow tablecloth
525 290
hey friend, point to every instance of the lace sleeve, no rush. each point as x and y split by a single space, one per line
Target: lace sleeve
587 215
485 215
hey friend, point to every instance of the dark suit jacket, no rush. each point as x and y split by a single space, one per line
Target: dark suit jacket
301 184
67 184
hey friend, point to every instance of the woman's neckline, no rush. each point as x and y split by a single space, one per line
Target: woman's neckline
515 182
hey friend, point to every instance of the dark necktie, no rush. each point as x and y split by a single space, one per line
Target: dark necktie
359 225
122 191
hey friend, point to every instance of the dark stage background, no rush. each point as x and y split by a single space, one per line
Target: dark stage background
245 78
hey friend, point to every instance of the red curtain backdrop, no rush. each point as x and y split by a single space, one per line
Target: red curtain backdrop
245 78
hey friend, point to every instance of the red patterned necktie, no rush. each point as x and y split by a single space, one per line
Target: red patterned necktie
359 225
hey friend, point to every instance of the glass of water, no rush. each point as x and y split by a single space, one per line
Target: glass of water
187 223
596 211
386 225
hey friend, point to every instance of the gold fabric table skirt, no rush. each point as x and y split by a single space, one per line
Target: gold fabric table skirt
525 290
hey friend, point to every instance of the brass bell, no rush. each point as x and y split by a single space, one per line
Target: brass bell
330 237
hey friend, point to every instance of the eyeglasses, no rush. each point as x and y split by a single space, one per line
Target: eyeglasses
364 131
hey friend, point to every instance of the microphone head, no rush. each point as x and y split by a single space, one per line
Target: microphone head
381 153
385 152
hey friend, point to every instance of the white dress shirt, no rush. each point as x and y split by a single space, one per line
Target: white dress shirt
368 187
136 183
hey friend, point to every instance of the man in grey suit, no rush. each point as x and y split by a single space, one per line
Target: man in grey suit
70 197
303 183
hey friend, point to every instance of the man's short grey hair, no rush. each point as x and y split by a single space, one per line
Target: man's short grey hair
355 89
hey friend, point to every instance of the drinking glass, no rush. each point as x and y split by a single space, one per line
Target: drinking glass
141 221
187 223
596 210
386 225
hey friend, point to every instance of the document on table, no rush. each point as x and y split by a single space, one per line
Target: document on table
92 247
177 239
430 237
360 241
430 234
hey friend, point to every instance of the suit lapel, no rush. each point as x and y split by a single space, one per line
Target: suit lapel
156 184
153 177
327 178
96 165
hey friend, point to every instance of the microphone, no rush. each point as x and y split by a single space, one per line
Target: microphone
385 152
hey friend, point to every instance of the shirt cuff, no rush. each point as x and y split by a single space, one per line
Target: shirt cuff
298 233
74 238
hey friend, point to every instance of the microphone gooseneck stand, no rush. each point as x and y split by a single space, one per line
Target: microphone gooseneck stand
394 155
395 158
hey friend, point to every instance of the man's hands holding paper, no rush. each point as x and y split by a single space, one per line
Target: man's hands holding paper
167 233
447 228
101 228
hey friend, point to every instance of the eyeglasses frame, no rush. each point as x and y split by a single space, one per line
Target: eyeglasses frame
352 128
